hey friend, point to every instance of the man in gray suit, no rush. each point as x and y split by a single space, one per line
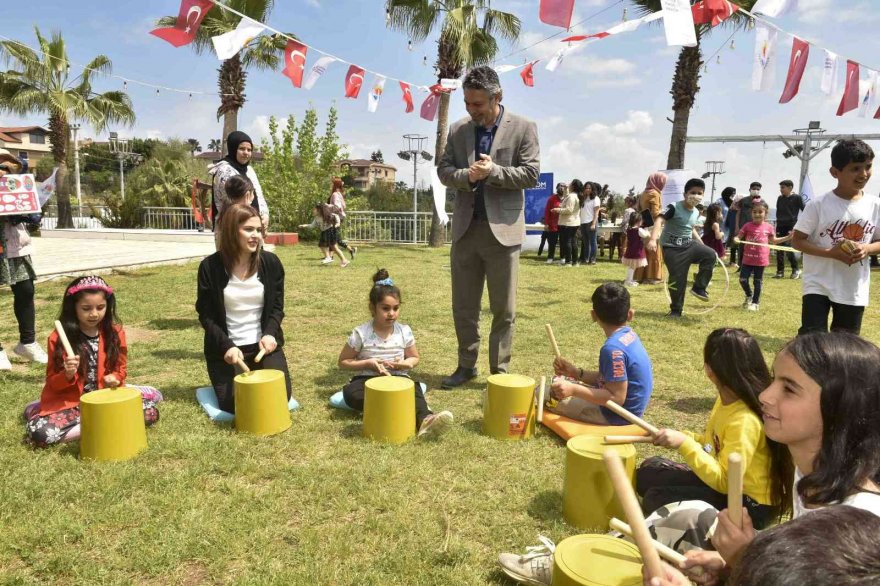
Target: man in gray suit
490 158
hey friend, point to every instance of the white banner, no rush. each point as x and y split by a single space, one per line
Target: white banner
829 73
807 189
675 180
868 91
557 58
764 70
229 44
678 21
439 196
317 71
375 93
774 8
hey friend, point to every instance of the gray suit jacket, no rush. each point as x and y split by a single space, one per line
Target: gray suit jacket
516 155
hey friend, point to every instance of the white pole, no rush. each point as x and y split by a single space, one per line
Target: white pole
76 166
415 198
122 175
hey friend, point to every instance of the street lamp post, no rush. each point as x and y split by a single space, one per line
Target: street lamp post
75 128
414 152
713 168
121 147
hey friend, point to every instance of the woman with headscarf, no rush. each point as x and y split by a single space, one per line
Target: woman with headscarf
240 148
17 271
650 206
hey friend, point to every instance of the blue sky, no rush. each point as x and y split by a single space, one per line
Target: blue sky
601 115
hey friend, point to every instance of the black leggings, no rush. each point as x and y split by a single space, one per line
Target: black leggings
222 375
567 250
550 238
25 313
355 391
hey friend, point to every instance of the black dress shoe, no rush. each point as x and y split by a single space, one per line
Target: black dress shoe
458 378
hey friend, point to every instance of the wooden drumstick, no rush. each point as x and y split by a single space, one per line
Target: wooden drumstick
667 552
735 488
541 399
553 343
63 337
627 497
634 419
259 355
628 439
244 367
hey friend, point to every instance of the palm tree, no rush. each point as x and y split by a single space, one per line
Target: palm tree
215 145
463 43
686 79
40 82
194 146
264 52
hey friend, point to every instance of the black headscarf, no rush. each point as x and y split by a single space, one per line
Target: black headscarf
234 139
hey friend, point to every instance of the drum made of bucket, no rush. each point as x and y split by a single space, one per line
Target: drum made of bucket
588 498
389 409
261 402
112 423
509 407
596 560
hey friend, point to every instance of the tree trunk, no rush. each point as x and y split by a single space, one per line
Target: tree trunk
231 82
230 125
685 86
59 133
438 231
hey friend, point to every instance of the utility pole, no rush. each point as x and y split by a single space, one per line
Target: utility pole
122 149
414 151
713 168
75 128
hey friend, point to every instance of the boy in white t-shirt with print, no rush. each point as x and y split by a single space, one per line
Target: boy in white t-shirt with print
837 232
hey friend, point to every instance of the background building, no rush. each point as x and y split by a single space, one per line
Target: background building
28 143
365 173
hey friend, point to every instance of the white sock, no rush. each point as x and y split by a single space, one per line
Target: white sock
630 273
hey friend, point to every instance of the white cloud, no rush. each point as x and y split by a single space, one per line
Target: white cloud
824 11
314 3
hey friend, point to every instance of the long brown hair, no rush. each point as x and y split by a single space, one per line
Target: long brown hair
229 245
338 185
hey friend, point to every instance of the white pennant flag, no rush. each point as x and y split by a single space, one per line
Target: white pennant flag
229 44
506 68
764 70
375 93
678 22
829 73
439 196
557 58
868 90
450 84
807 189
46 189
773 8
317 71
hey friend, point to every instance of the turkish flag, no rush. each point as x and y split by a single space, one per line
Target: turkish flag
295 62
850 99
189 19
877 115
407 96
528 75
354 79
556 12
713 12
800 52
431 103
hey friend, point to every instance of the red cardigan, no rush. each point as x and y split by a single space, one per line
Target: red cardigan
551 220
59 393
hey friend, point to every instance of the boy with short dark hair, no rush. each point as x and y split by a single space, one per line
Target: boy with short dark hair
836 231
788 206
625 373
682 246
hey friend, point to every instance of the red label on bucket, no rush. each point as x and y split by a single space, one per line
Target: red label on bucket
517 424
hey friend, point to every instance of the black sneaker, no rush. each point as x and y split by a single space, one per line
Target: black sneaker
779 275
700 294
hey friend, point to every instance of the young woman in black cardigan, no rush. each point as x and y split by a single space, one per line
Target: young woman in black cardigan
241 303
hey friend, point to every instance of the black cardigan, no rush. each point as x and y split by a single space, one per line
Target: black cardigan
211 307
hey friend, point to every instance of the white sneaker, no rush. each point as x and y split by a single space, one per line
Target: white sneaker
327 260
4 361
753 307
436 424
31 352
550 261
630 283
747 302
534 567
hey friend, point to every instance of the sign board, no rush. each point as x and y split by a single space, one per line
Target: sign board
18 195
675 180
536 200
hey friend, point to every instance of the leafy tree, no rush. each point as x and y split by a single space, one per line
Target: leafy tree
377 157
194 146
464 42
40 82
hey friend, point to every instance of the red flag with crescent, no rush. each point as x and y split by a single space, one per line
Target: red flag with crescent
713 12
850 99
556 12
295 62
407 96
354 79
431 103
189 19
800 52
527 75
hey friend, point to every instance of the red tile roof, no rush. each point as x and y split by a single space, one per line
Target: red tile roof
17 129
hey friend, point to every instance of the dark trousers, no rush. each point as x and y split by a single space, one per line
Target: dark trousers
567 250
615 242
678 262
589 243
785 230
814 315
222 375
747 271
660 482
355 391
551 239
25 314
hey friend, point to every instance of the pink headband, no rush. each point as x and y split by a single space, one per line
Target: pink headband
90 283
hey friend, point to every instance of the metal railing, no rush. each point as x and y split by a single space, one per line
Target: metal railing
393 227
84 217
169 218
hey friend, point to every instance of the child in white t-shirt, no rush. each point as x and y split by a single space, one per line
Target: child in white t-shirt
836 232
385 347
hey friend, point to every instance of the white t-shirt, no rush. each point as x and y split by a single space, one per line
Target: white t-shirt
244 308
867 501
588 212
368 344
826 220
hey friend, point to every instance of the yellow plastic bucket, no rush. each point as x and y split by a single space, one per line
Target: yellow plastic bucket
389 409
261 403
588 498
509 407
112 424
596 560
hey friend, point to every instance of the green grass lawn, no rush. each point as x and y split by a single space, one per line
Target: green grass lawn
319 504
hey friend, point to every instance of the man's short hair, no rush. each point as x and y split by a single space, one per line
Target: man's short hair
754 184
835 545
483 78
786 183
611 303
695 182
850 151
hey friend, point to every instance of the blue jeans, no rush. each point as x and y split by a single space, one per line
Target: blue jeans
747 271
589 243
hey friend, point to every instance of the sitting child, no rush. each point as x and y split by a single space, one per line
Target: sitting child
625 373
385 347
88 314
239 189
